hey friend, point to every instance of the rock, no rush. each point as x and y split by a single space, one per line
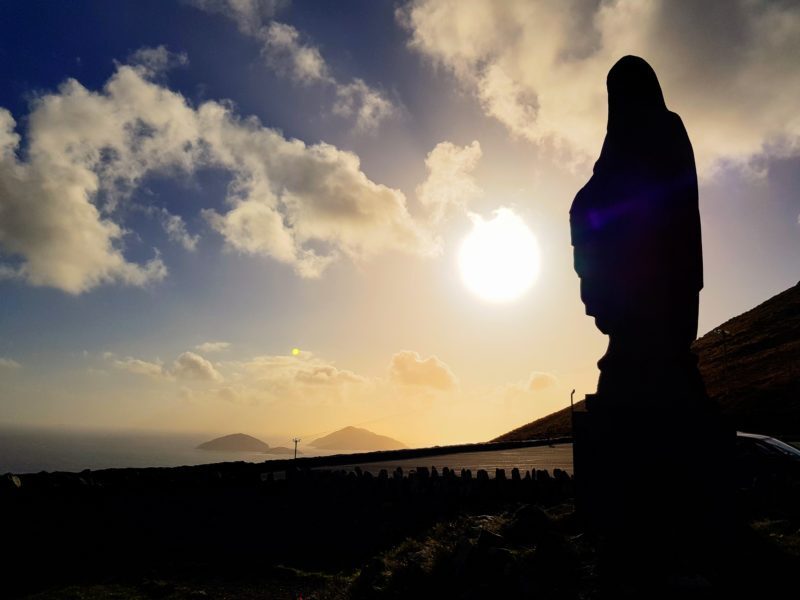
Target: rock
463 557
10 482
529 524
499 561
487 539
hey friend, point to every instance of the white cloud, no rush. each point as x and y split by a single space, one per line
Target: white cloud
369 106
727 67
409 368
249 15
156 61
285 50
209 347
193 366
47 217
450 184
9 363
302 205
176 230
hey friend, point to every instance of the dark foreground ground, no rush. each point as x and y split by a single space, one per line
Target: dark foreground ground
232 531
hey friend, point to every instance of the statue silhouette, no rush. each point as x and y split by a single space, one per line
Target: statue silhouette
636 235
637 248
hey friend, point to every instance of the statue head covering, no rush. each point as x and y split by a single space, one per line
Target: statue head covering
636 113
633 92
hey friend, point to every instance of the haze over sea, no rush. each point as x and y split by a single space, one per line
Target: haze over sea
30 450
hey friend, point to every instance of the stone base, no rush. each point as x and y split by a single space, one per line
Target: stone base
654 487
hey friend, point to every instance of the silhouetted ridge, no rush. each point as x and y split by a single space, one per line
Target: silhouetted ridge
759 389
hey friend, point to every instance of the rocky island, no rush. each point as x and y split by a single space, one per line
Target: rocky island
236 442
355 438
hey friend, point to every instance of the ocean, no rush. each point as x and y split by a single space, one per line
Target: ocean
29 450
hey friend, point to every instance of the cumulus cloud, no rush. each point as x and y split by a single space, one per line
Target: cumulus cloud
9 363
47 217
302 205
450 184
540 381
409 368
280 372
285 50
209 347
193 366
187 366
727 67
369 106
156 61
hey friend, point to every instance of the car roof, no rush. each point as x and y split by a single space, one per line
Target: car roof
755 436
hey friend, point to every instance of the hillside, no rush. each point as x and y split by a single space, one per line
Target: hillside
752 370
235 442
354 438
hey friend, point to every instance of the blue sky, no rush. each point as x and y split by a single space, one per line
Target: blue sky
353 255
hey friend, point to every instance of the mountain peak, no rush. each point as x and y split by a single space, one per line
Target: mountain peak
355 438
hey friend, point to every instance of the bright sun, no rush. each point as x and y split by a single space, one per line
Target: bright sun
499 259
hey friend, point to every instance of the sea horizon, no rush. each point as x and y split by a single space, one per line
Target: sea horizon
32 449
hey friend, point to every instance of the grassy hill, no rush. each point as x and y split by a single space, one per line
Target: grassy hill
751 366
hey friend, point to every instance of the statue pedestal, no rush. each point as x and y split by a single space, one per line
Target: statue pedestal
652 486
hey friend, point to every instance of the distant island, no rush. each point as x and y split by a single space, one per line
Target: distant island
354 438
239 442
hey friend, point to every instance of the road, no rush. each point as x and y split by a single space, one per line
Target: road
541 457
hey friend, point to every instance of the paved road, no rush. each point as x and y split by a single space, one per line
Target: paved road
541 457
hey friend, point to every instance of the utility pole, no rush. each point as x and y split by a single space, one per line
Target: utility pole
295 440
572 413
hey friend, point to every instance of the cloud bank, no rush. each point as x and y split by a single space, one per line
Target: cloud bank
729 68
286 51
302 205
450 185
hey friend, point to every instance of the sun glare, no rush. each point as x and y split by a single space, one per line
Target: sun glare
499 259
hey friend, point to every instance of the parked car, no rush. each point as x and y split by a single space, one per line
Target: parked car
765 446
767 472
